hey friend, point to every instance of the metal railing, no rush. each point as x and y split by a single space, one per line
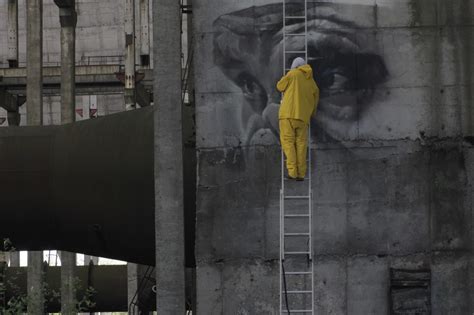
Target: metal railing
83 61
148 278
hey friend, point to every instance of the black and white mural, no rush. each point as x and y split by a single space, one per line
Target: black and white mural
389 171
248 48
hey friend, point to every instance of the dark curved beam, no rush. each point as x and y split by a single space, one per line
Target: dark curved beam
86 187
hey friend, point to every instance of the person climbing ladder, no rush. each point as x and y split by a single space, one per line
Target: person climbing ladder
300 100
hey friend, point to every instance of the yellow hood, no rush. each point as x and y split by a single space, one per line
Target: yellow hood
306 69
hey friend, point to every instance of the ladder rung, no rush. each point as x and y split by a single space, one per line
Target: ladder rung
293 34
296 234
306 178
298 311
285 158
296 197
295 52
298 273
295 17
296 215
298 292
296 253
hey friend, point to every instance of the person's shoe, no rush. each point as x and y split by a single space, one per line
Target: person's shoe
299 179
291 178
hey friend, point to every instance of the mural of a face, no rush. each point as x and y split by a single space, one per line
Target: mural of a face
248 49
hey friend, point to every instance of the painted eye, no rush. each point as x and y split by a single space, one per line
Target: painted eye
334 80
254 92
338 81
250 86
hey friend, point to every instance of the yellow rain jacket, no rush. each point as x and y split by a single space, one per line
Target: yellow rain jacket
301 94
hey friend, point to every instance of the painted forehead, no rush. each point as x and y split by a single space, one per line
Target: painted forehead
245 36
270 17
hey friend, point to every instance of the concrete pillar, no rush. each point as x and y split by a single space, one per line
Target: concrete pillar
190 39
132 286
34 112
11 103
68 21
34 71
144 6
12 33
129 26
88 259
14 118
68 290
3 266
169 217
191 274
14 259
35 283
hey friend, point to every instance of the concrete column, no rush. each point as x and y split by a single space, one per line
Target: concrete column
191 135
12 33
34 112
35 283
129 26
132 286
34 71
169 218
68 21
14 259
68 291
190 39
88 259
144 6
11 103
3 266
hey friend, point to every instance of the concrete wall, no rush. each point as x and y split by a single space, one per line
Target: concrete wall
99 30
392 144
100 39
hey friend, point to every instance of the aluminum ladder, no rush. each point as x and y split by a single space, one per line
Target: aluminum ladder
296 265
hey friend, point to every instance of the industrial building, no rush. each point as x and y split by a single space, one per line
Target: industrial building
141 169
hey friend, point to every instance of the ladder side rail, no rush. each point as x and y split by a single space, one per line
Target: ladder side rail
280 260
282 190
306 29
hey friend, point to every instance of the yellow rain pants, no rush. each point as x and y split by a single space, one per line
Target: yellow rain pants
294 141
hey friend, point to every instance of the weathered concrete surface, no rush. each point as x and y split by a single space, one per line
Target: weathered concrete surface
129 27
168 144
12 33
35 283
393 165
393 200
34 69
68 283
68 21
34 108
